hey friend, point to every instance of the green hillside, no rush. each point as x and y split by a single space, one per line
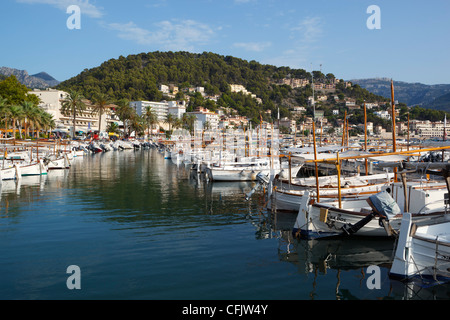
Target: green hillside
137 77
441 103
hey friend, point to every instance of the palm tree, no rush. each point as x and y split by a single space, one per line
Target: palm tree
31 114
124 112
101 106
72 104
113 128
151 118
137 124
170 119
189 121
47 122
16 113
39 121
177 123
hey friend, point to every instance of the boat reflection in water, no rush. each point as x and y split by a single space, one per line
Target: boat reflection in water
338 268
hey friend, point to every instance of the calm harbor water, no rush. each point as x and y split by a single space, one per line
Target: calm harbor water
140 227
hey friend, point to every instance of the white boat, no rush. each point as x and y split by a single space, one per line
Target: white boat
248 169
287 196
123 145
57 162
290 200
34 168
10 172
423 250
95 148
330 181
78 153
358 216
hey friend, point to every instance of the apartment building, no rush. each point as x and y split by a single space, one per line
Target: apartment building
51 102
160 108
428 129
206 116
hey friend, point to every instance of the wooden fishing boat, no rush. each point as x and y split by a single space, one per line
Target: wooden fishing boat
10 172
57 162
358 216
249 169
423 250
33 168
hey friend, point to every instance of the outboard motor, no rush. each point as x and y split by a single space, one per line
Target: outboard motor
383 206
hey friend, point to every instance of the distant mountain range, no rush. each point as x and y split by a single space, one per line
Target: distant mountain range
41 80
435 96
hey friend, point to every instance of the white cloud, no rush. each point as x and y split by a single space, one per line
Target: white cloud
182 35
253 46
86 8
308 30
304 45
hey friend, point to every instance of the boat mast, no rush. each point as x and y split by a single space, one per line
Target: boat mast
344 128
315 163
394 143
445 124
365 134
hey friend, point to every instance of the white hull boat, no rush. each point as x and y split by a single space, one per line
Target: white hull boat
423 250
248 170
61 162
33 169
10 173
326 219
289 200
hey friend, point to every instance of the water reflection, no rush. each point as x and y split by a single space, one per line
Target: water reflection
340 265
138 208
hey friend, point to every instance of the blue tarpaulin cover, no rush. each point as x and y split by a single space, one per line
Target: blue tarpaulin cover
385 204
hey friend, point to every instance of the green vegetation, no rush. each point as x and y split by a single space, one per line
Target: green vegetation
72 105
138 77
20 110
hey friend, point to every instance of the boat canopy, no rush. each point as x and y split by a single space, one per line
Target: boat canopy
296 151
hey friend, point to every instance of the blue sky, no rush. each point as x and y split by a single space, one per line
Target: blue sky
412 45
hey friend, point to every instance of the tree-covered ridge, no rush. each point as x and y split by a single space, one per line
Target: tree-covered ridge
137 77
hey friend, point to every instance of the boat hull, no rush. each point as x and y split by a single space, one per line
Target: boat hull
422 251
59 163
10 173
244 174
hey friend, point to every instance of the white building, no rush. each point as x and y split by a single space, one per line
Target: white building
288 123
428 129
204 115
371 105
51 103
350 102
160 108
177 108
383 114
163 88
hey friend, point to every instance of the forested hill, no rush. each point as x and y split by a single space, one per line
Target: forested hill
137 77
